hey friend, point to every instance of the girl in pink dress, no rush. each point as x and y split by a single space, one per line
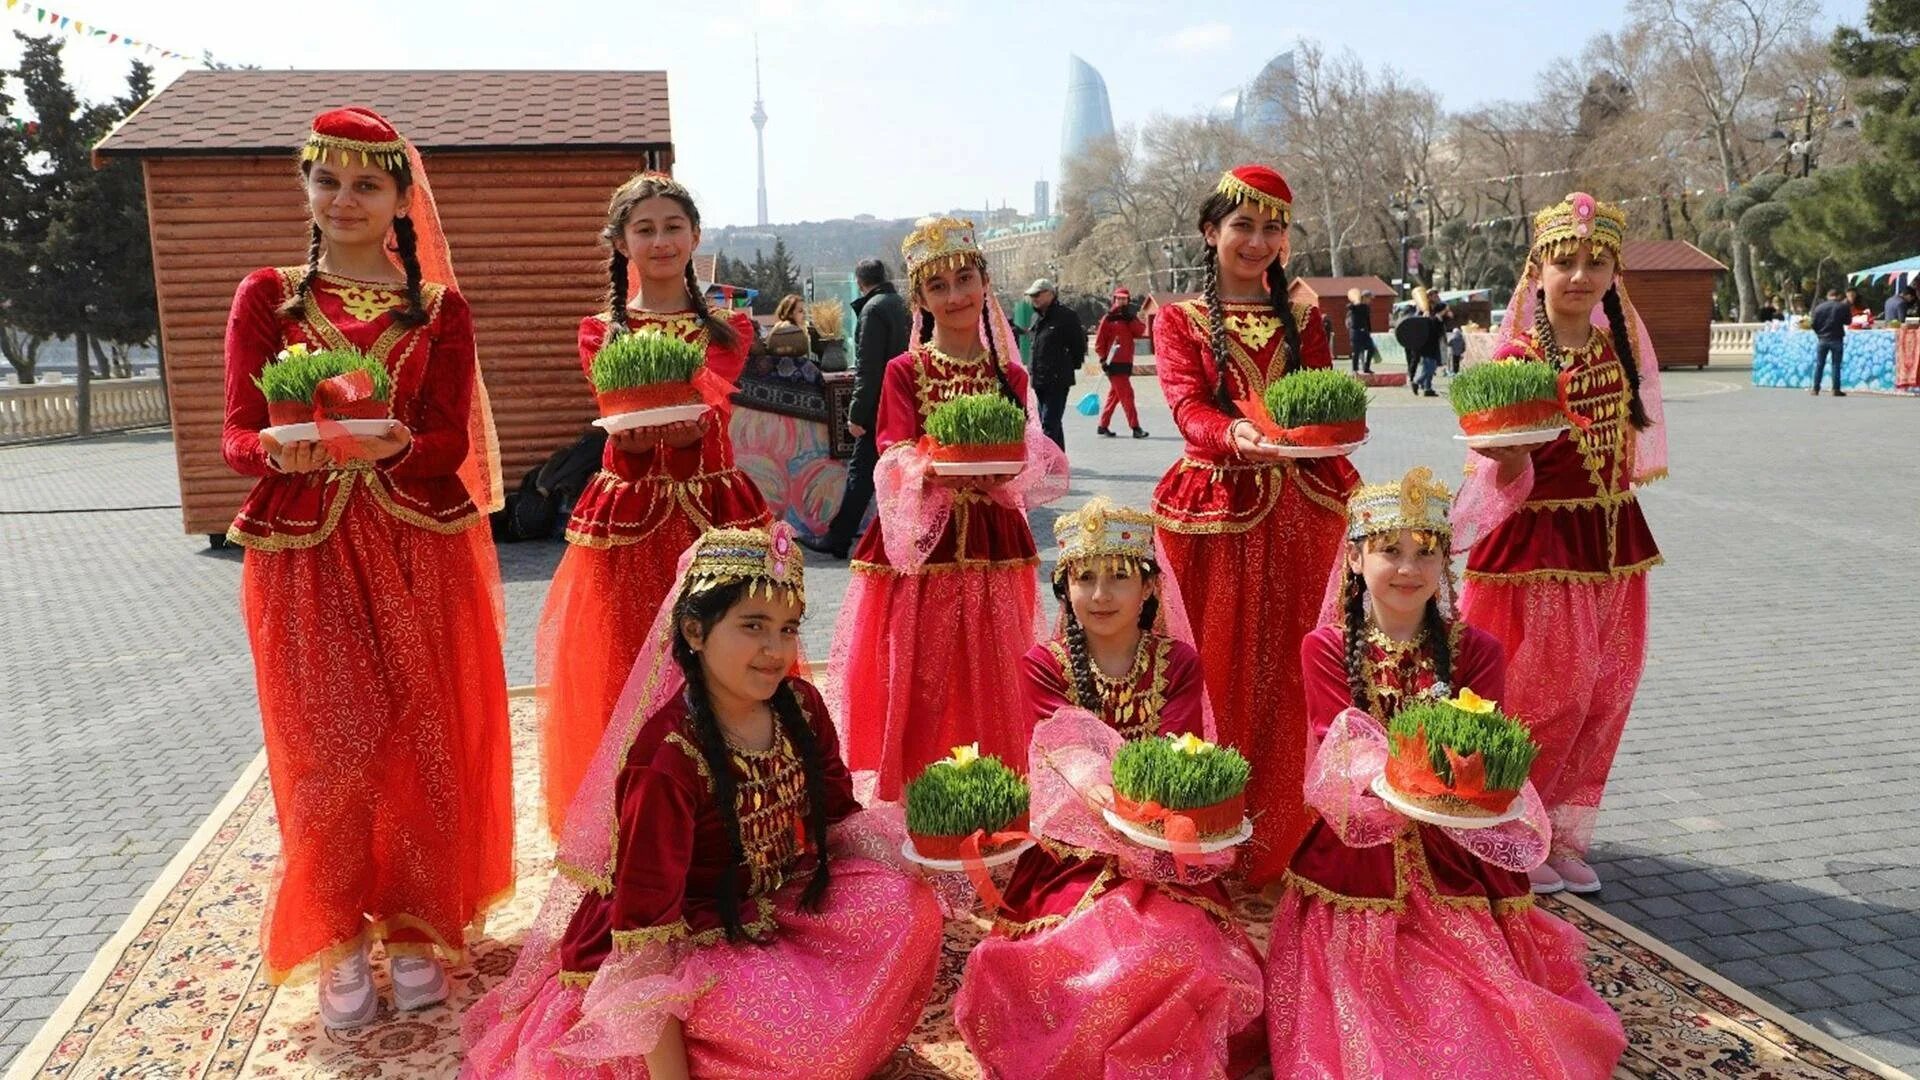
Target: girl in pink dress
1402 949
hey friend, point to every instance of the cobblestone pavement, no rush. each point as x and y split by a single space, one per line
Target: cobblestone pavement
1763 816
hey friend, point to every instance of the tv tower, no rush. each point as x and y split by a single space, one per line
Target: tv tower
760 129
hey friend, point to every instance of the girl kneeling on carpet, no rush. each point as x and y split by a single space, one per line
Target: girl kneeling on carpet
704 921
1402 949
1142 967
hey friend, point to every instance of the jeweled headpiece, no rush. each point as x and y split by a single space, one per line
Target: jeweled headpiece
1418 502
939 243
1579 216
1260 185
767 558
1106 535
355 135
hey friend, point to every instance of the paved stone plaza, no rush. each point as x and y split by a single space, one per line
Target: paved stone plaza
1764 816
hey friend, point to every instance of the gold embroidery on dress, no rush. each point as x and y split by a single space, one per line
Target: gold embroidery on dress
940 377
1254 329
367 302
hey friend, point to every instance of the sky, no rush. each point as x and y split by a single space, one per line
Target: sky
888 107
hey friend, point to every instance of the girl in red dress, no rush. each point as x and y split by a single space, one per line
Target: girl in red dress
1403 949
710 916
371 593
943 602
658 488
1559 548
1138 968
1246 533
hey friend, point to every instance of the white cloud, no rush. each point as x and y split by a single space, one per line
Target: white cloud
1202 37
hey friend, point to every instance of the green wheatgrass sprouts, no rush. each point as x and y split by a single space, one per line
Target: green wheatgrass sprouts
977 420
1157 769
955 800
1316 396
294 378
644 358
1506 749
1502 383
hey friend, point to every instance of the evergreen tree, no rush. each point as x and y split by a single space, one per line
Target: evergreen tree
22 231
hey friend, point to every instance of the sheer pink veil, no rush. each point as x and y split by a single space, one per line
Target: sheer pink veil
480 472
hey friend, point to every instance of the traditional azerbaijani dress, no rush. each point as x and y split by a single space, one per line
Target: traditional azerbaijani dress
637 514
1403 950
1249 544
631 935
372 601
1558 560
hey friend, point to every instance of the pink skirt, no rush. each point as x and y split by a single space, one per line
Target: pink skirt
1433 990
1137 984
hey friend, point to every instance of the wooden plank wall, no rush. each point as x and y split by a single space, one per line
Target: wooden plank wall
523 228
1677 306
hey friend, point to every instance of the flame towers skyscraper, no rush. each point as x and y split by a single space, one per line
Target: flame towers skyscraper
1089 116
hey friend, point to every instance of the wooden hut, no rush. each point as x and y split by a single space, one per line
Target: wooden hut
521 163
1331 294
1672 284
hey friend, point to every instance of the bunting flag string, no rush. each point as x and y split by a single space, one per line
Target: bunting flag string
53 20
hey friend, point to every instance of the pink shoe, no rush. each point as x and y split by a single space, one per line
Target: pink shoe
1545 881
1574 872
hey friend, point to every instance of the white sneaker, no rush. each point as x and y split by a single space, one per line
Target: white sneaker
418 981
1545 881
1579 877
348 998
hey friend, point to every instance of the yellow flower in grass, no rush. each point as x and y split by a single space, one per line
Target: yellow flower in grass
1468 701
963 756
293 350
1189 743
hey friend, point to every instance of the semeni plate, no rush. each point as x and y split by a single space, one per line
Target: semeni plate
1532 437
309 432
977 468
1434 817
1336 450
954 866
1159 843
660 417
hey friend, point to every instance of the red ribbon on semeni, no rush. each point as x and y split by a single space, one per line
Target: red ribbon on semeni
348 396
1410 772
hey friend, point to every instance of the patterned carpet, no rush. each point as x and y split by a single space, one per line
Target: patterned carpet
181 993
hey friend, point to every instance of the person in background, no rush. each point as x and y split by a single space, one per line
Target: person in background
1456 348
1830 326
1113 343
1899 306
788 339
1059 348
879 334
1360 330
1770 311
1859 315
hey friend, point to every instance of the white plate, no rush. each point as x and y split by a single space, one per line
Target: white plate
1434 817
1531 437
1159 843
1336 450
660 417
977 468
951 866
293 433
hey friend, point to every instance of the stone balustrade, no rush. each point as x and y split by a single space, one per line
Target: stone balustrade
50 410
1732 343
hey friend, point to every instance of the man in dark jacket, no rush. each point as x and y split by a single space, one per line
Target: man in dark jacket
1830 326
879 335
1059 348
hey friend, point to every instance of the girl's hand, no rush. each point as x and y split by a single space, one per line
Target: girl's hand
1250 445
1512 460
303 456
685 433
638 440
382 447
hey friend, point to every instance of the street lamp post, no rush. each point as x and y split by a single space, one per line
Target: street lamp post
1410 200
1166 252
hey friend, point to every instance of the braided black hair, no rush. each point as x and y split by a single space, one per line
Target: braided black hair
1079 660
719 329
1439 639
993 356
1213 211
1623 345
406 245
297 303
616 289
707 609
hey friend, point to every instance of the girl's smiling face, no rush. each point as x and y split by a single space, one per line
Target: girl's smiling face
1402 570
1107 600
1576 279
751 648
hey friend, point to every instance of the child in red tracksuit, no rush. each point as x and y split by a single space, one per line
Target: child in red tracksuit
1114 345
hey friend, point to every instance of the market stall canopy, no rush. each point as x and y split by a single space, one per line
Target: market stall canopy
1898 272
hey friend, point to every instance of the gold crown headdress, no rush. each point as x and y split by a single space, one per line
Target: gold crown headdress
1417 502
768 558
936 244
1106 535
1579 216
355 134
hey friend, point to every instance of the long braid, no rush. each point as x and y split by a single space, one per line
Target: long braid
616 291
1081 662
1356 628
993 357
406 245
1277 295
296 304
1440 640
719 330
793 721
1543 332
713 749
1623 345
1216 329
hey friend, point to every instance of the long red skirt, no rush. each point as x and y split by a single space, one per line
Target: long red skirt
382 691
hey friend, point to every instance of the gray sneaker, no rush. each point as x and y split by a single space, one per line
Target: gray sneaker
347 995
418 981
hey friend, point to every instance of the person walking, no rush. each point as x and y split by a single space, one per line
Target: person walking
1113 343
880 333
1830 320
1059 348
1360 330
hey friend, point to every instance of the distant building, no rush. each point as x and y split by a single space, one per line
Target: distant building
1042 199
1266 105
1019 253
1089 115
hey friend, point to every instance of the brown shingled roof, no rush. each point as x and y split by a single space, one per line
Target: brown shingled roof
1641 256
229 112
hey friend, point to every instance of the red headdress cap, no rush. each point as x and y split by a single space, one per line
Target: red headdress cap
1121 293
355 134
1260 185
